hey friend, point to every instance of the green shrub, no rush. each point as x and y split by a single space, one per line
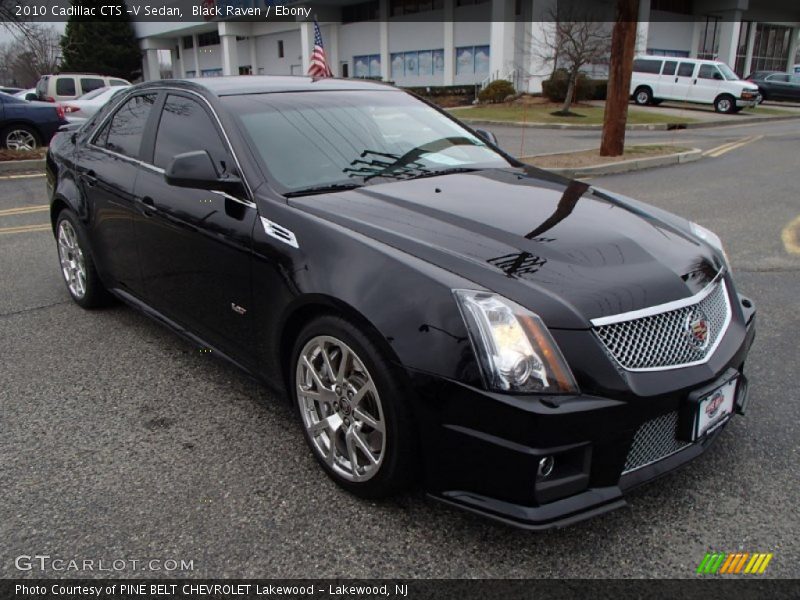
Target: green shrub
496 91
555 88
599 89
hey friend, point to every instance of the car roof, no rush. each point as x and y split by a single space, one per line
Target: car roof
702 61
265 84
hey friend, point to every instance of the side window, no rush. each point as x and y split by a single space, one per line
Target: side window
709 72
185 126
669 67
123 133
117 82
89 84
780 77
685 69
643 65
65 86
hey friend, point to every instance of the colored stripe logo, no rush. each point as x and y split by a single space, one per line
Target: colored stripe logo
721 563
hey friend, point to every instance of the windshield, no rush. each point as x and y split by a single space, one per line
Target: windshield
349 138
728 73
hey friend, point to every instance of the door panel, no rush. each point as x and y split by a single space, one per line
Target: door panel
196 244
682 82
705 87
108 171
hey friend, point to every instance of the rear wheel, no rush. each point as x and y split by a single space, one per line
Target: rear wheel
20 137
77 266
725 104
643 95
354 417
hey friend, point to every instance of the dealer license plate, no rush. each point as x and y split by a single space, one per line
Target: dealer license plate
715 408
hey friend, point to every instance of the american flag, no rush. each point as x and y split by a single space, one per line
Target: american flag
319 64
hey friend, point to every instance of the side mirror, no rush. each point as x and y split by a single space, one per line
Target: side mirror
487 136
718 76
197 170
30 96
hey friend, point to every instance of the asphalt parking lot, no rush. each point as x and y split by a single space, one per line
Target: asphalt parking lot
118 440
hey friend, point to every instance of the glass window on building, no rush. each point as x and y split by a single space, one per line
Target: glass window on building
210 72
367 66
188 42
208 39
771 47
472 59
709 38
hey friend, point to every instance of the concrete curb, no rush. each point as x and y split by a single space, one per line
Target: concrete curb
15 167
634 127
624 166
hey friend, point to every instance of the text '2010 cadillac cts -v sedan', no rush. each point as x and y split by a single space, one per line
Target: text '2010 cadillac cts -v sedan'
528 346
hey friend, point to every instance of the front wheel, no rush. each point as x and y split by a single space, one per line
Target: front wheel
354 416
725 104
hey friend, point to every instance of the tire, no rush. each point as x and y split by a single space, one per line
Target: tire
77 267
725 103
344 429
643 95
20 137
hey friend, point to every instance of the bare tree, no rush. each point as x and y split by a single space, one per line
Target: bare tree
575 39
33 53
619 78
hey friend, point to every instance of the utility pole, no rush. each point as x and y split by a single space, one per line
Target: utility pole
623 46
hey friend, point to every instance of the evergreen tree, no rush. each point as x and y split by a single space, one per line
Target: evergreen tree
105 47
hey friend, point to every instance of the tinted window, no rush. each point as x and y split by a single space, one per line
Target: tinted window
709 72
643 65
116 82
669 67
65 86
123 133
185 126
778 77
685 69
91 83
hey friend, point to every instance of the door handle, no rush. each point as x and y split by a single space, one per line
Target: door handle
90 177
695 82
148 206
676 80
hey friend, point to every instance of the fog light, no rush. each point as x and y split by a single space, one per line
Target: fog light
546 466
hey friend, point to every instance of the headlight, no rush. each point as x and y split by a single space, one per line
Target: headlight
515 350
712 239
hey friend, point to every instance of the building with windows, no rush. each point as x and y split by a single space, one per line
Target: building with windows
463 42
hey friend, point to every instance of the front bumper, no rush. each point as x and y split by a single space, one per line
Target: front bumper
484 449
748 102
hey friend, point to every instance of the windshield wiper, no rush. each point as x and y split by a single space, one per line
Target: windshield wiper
449 171
322 189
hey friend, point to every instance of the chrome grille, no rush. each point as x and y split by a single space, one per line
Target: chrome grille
663 340
653 441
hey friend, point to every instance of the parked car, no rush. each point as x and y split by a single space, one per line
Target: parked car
712 82
70 86
10 90
29 94
27 125
84 107
776 85
529 346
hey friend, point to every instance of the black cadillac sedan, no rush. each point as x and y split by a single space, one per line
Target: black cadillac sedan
527 346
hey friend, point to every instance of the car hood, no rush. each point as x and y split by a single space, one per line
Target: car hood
562 248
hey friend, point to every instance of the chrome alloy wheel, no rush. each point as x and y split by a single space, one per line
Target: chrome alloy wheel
19 139
725 105
341 408
70 254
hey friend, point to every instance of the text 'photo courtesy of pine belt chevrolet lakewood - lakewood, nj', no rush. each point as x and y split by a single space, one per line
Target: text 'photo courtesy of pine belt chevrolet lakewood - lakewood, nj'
521 345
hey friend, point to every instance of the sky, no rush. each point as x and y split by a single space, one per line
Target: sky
6 34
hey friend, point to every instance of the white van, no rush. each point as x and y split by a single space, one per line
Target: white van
68 86
657 78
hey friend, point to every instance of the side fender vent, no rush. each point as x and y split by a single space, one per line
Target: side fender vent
278 232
